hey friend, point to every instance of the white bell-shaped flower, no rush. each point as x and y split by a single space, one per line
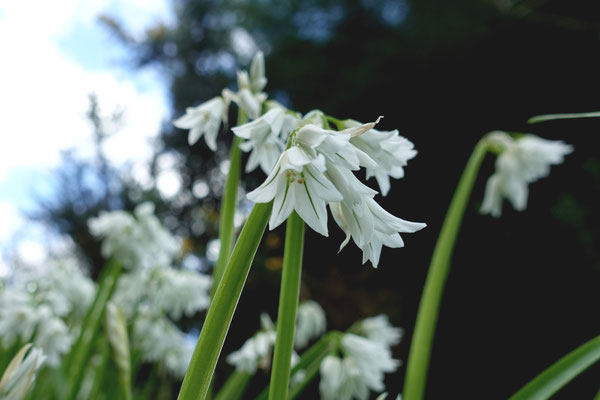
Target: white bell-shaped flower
310 323
521 162
204 119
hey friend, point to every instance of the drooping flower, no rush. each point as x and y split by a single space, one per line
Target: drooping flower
364 360
388 149
203 120
521 162
310 323
265 138
317 169
250 96
298 183
379 329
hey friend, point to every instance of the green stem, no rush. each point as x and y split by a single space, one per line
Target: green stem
100 369
202 366
234 387
82 349
313 356
288 304
550 117
560 373
228 203
422 339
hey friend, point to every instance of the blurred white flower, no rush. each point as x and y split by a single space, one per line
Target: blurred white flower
256 351
310 323
19 376
159 341
363 362
136 242
204 119
379 329
35 304
521 162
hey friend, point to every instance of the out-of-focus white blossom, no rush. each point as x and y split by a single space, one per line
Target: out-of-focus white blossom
379 329
310 323
159 341
363 362
521 162
164 290
136 241
19 376
35 304
256 351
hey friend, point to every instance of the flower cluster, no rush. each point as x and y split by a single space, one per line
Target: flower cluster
316 170
35 305
256 351
205 119
366 358
521 161
153 292
137 241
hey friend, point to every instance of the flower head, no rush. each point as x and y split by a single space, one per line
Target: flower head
310 323
521 162
204 119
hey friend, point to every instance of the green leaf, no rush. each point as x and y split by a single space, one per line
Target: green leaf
560 373
204 360
551 117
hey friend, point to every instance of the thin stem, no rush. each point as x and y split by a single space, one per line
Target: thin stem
288 304
422 339
228 205
202 366
82 350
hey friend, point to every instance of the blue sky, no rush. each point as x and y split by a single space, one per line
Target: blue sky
60 54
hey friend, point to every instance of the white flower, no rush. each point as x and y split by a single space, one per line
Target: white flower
371 358
297 183
140 242
256 351
310 323
159 340
204 119
521 162
388 149
164 290
19 376
378 329
264 138
371 227
341 380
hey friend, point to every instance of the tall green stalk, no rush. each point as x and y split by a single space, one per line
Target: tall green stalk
228 203
422 339
204 360
288 305
82 349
